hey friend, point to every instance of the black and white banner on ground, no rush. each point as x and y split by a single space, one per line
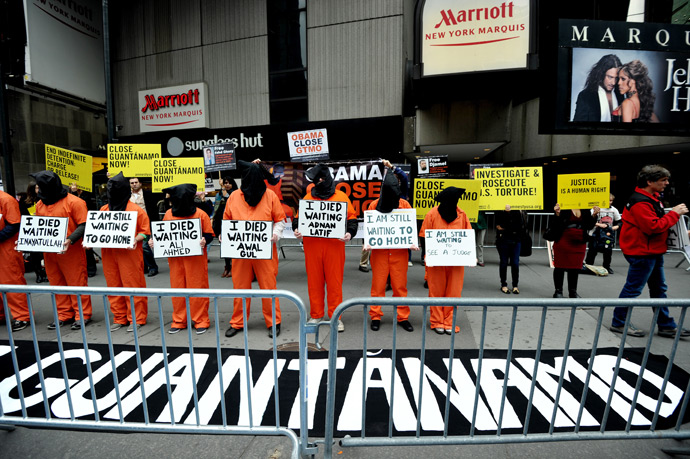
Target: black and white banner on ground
246 239
115 230
176 238
350 365
394 230
42 234
326 219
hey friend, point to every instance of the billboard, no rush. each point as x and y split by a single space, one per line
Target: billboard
619 77
173 108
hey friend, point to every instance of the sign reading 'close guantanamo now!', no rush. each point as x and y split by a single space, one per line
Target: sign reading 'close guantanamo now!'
133 160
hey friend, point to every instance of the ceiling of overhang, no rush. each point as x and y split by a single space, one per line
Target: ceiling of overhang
457 153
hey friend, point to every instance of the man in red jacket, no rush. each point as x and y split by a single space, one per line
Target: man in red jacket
643 242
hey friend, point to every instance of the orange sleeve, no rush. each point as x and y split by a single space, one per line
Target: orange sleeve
206 226
78 210
373 205
426 224
10 210
277 212
404 204
143 223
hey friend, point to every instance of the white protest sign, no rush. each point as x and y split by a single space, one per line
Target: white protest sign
176 238
394 230
111 229
246 239
450 247
327 219
288 233
42 234
678 235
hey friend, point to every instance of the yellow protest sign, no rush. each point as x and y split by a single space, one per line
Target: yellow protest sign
70 166
583 191
519 187
176 171
425 191
133 160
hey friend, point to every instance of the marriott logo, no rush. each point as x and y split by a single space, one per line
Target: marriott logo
190 97
448 18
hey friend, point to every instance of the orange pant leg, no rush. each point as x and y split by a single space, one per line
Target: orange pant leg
196 270
73 267
178 280
242 275
12 273
266 276
313 261
55 276
275 257
118 306
398 274
444 281
125 268
379 275
334 269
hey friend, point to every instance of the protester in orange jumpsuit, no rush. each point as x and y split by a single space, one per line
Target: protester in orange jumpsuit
445 281
325 257
254 202
12 271
189 272
125 267
389 262
69 266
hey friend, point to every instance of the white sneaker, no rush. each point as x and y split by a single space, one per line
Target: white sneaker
313 321
341 326
409 263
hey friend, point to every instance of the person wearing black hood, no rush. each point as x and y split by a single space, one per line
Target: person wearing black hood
69 266
189 272
325 258
125 267
254 202
445 281
389 262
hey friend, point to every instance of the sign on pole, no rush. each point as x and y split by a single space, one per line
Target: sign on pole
133 160
70 166
583 191
176 238
246 239
450 247
219 157
308 145
171 172
394 230
42 234
111 229
326 219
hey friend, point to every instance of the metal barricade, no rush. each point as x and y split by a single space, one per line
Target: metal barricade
539 396
80 416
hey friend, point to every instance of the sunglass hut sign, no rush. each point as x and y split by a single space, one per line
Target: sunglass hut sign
174 107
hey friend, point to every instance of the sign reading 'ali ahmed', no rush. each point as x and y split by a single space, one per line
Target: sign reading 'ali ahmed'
174 107
474 35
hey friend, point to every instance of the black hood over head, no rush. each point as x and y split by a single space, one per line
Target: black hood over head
50 189
253 185
119 192
325 189
448 203
182 199
389 198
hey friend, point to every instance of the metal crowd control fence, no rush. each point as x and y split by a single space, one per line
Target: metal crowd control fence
487 306
300 445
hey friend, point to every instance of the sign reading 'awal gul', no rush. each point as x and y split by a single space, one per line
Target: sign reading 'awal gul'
474 35
133 160
246 239
171 172
42 234
521 188
176 238
174 107
583 191
70 166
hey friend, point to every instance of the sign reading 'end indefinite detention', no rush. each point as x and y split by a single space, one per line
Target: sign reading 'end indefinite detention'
450 247
110 229
246 239
322 218
176 238
42 234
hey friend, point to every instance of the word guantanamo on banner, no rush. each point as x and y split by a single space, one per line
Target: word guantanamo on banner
426 190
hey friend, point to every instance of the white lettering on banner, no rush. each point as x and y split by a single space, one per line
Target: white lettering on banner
246 239
176 238
450 247
174 107
326 219
111 229
42 234
394 230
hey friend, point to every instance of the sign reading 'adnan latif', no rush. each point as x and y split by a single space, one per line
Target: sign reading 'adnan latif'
174 107
474 35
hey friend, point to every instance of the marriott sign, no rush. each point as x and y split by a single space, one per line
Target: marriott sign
173 108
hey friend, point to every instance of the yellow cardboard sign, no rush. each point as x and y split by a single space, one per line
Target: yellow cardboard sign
176 171
583 191
425 191
132 159
521 188
70 166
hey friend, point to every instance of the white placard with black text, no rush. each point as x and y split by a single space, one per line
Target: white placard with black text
450 247
111 229
176 238
246 239
394 230
42 234
327 219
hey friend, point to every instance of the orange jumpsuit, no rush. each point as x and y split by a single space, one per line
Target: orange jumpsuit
125 268
288 214
68 268
190 272
444 281
324 259
244 269
393 263
12 271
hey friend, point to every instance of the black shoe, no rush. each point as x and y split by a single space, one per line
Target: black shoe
19 325
230 332
406 325
364 268
388 287
153 272
609 270
91 273
201 330
51 326
77 324
270 331
426 284
174 330
41 278
558 294
375 325
573 294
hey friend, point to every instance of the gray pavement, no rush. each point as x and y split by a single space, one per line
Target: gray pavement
535 282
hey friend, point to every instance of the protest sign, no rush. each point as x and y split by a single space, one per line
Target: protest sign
678 238
171 172
176 238
432 166
394 230
70 166
308 145
520 187
42 234
246 239
583 191
111 229
425 191
327 219
133 160
450 247
219 157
